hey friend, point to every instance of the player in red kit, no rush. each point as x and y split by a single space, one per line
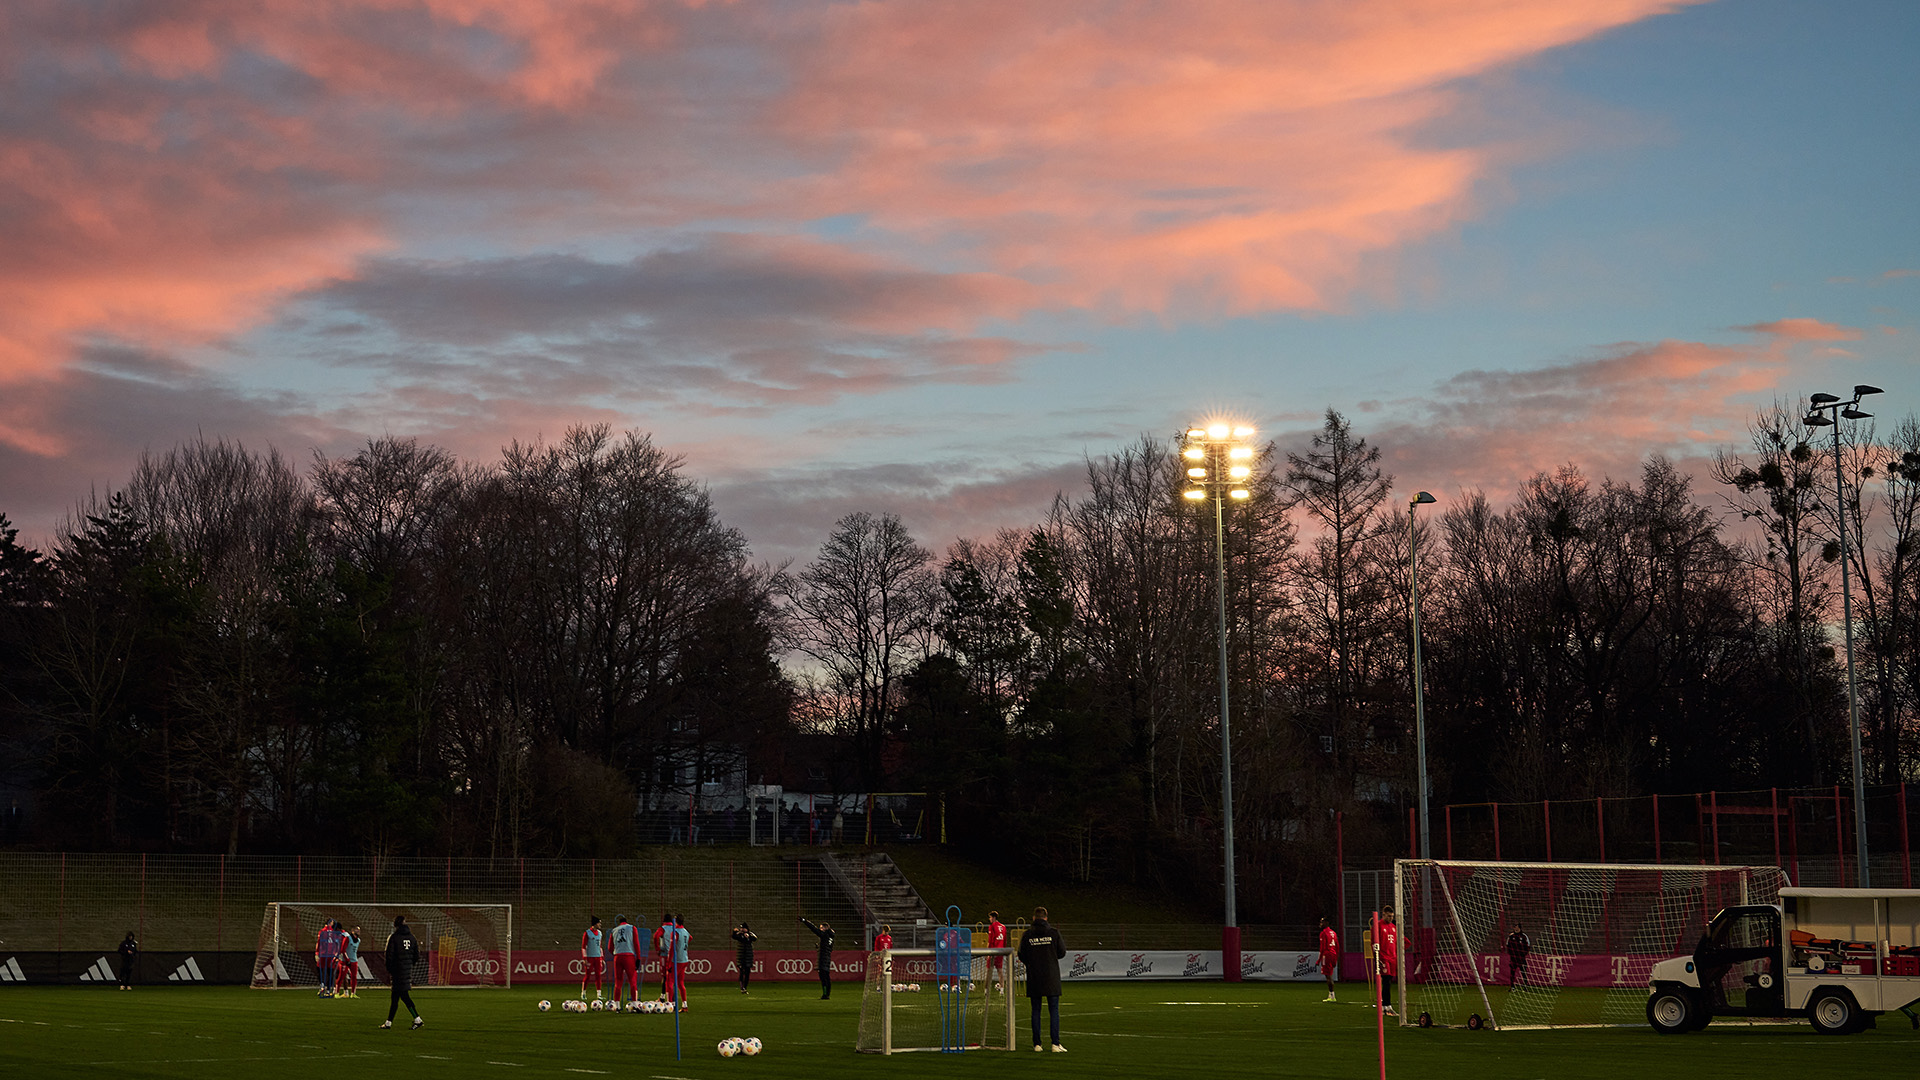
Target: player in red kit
626 959
996 939
593 959
1389 957
1329 954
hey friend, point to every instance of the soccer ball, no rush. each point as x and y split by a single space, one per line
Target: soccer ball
728 1048
545 1005
913 987
750 1047
595 1005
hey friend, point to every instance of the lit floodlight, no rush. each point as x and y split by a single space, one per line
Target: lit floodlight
1196 433
1242 432
1197 474
1195 493
1239 472
1239 493
1241 452
1218 431
1193 453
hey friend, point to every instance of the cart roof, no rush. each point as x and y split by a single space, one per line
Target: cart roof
1854 894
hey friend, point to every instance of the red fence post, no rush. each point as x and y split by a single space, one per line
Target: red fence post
299 862
449 879
1839 836
1713 802
1656 828
1699 829
60 926
1546 818
1449 832
1413 835
593 884
1906 858
220 916
1793 840
1774 801
1600 823
143 894
1496 832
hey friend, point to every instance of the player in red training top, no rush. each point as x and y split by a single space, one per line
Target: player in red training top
1329 954
884 939
326 952
626 959
593 959
1389 957
996 939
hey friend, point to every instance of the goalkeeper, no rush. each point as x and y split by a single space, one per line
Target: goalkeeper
1518 946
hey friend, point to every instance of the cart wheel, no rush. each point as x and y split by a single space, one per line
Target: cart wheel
1474 1023
1426 1020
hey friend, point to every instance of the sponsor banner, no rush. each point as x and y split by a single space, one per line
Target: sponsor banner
1144 966
1280 966
703 965
1544 969
102 968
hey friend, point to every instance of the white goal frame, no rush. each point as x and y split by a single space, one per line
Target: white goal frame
1744 884
883 965
272 970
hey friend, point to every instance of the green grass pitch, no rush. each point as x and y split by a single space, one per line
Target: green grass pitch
1118 1029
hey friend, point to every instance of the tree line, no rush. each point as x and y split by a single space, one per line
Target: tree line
397 651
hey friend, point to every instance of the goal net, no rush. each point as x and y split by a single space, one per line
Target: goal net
908 1005
467 945
1551 944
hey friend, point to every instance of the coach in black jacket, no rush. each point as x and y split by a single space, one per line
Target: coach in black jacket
402 950
1041 950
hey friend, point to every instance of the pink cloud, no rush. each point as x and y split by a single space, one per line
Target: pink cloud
1804 330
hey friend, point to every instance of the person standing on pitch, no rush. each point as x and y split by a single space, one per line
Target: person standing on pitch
402 950
626 960
347 983
663 948
1329 954
129 954
997 939
883 940
823 931
743 953
1041 950
593 960
1518 946
1389 959
682 938
326 950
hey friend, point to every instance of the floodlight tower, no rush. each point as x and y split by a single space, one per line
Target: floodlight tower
1219 460
1419 683
1818 408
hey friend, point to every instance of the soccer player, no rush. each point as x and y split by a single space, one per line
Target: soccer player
743 955
626 959
1389 958
823 931
1041 950
1518 945
402 950
663 948
1329 954
682 938
348 982
325 951
593 960
129 954
996 939
883 940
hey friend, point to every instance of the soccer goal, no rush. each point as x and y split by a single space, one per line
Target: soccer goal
461 945
908 1005
1551 944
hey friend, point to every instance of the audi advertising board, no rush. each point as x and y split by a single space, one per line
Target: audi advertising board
703 965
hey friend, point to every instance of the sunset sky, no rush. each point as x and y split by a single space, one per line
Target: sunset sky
927 257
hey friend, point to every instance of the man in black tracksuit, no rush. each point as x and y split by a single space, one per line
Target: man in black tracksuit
1041 950
743 956
402 950
824 931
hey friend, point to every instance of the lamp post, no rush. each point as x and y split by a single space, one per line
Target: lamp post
1219 461
1419 682
1818 408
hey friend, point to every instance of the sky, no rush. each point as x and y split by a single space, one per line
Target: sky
930 257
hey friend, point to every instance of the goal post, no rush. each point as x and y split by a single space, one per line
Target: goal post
1551 944
461 945
907 1006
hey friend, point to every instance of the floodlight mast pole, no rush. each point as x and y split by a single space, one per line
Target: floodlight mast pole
1211 453
1819 404
1419 695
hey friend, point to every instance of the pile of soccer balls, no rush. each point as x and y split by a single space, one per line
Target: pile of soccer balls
906 988
735 1047
570 1005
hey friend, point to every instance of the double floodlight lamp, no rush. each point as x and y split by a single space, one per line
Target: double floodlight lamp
1218 456
1819 403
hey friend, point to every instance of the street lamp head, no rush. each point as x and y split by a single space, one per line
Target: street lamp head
1247 432
1193 453
1822 399
1856 414
1196 433
1420 498
1195 493
1861 390
1239 493
1197 474
1218 431
1818 420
